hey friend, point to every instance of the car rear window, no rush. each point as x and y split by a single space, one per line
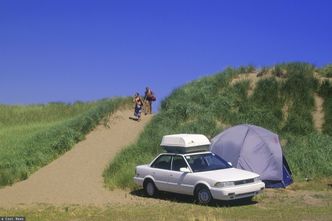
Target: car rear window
162 162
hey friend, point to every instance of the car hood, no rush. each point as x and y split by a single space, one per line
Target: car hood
230 174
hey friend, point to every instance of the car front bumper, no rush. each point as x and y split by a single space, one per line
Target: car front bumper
237 192
138 180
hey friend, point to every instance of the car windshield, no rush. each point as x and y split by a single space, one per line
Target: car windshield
206 162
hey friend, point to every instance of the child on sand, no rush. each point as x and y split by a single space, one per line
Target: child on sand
138 106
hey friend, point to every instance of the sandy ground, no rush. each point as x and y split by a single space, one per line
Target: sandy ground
76 177
252 77
318 114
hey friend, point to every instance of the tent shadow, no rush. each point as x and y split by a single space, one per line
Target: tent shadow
185 199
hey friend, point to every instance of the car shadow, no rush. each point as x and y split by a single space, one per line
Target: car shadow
180 198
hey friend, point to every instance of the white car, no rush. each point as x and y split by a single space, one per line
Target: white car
203 175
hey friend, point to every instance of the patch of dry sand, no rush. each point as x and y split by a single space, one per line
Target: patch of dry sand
318 114
251 77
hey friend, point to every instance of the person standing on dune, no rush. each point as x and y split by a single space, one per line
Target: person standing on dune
148 99
138 106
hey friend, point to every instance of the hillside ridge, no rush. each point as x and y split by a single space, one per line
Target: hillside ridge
76 177
288 99
318 113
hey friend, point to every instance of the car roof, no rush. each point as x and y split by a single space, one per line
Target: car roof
186 154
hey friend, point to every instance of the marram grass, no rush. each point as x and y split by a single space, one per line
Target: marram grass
209 105
31 136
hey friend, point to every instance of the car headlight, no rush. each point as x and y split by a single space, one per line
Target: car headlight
257 179
224 184
136 173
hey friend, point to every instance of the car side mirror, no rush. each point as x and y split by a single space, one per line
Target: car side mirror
230 164
184 170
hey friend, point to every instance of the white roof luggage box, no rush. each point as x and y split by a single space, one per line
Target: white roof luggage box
185 143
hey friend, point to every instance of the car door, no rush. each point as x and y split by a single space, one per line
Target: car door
160 170
178 181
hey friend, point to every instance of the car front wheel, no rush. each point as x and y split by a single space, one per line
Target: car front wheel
149 188
203 196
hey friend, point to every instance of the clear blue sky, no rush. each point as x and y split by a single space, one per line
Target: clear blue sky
67 50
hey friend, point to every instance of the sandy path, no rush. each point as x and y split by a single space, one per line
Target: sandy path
76 177
318 114
251 77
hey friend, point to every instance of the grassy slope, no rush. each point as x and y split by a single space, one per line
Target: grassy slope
283 210
33 135
271 205
326 92
210 104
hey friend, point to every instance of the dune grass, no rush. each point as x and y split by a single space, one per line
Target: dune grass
326 71
211 104
31 136
295 204
298 91
309 155
175 211
325 91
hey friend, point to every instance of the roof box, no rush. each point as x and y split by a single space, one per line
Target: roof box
185 143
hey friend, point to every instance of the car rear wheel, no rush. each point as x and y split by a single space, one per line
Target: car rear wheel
149 188
203 195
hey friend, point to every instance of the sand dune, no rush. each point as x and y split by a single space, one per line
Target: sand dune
76 177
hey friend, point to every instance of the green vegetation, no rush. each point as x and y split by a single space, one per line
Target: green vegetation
208 105
247 69
309 155
262 108
32 136
326 71
326 92
298 92
272 205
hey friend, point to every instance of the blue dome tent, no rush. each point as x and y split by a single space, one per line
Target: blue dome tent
255 149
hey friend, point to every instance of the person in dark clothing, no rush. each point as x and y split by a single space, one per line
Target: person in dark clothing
148 99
